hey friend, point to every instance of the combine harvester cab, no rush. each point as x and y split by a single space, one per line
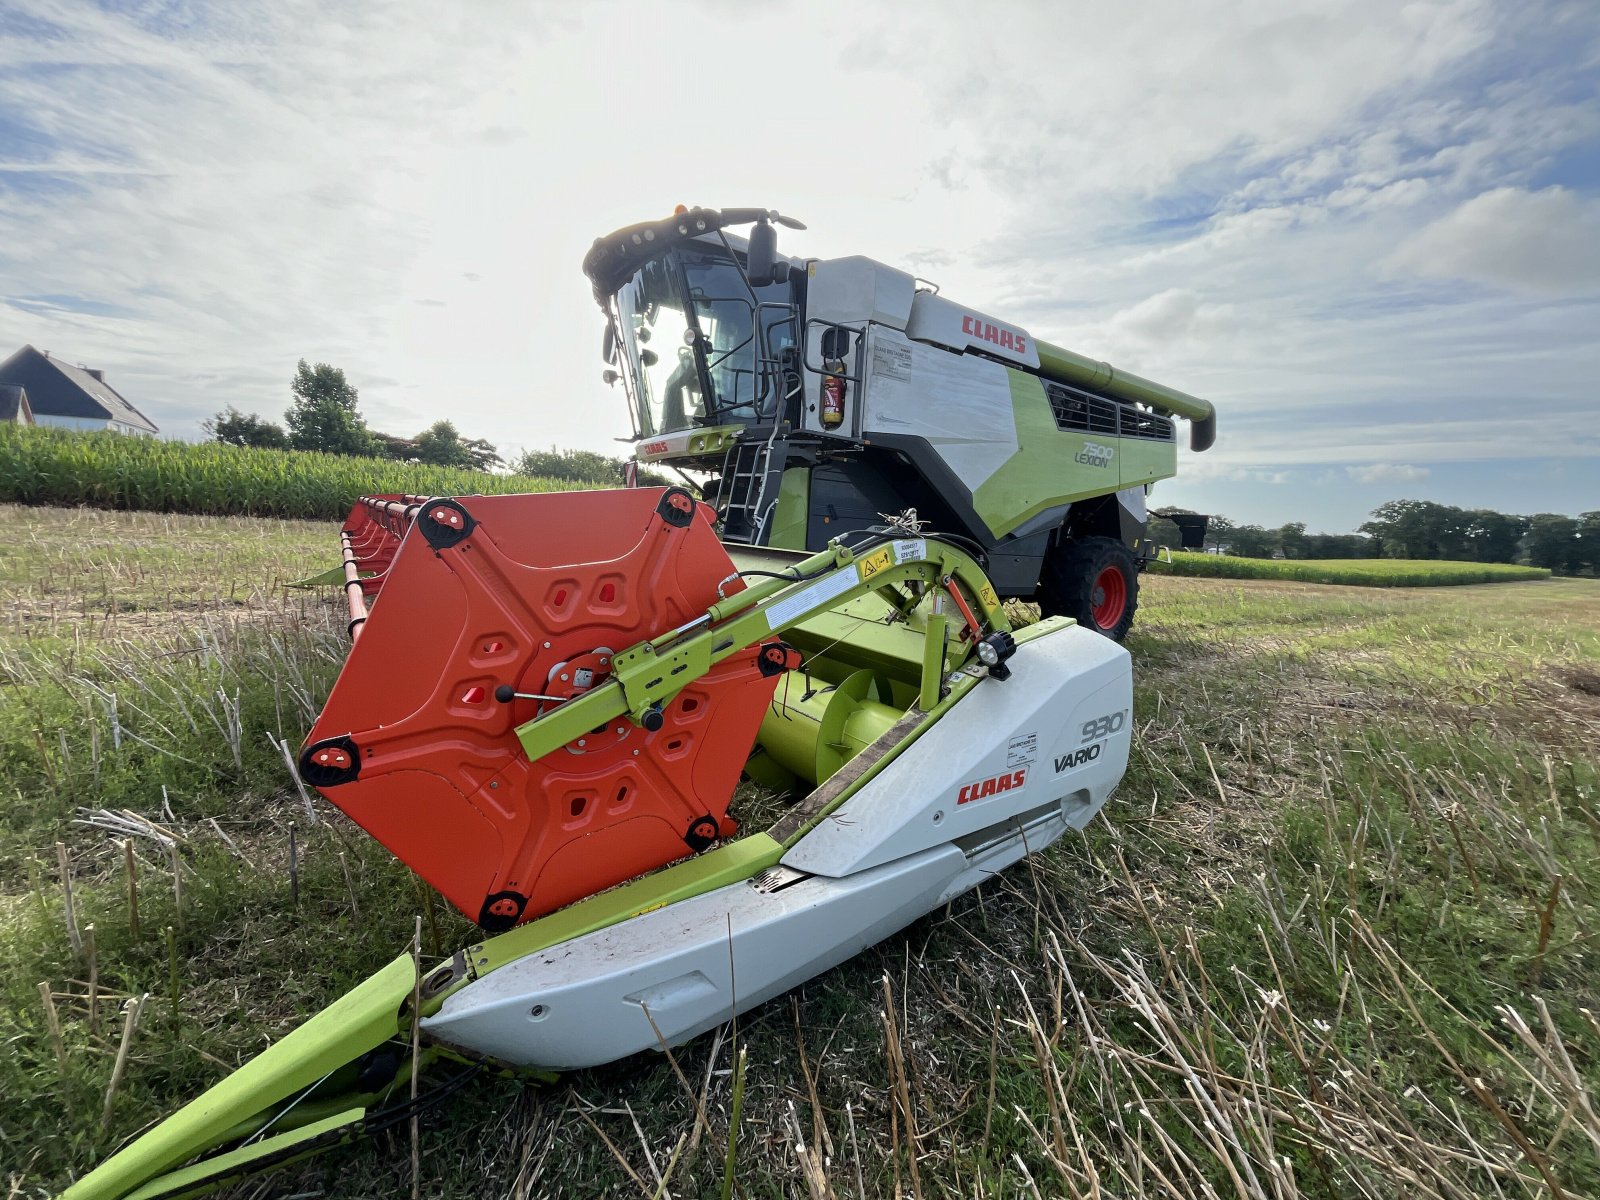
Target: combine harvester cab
547 707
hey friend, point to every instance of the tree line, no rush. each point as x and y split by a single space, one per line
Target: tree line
324 414
1415 529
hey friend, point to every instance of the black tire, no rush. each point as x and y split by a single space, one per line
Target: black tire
1074 584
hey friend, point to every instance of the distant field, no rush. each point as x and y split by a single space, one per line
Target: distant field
1358 572
111 470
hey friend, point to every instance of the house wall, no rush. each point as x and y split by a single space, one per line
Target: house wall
87 423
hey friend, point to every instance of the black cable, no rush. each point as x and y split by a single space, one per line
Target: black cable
784 575
877 536
389 1117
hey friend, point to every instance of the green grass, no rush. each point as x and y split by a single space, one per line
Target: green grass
1304 941
1358 572
110 470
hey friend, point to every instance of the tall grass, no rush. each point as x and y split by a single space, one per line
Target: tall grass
110 470
1359 572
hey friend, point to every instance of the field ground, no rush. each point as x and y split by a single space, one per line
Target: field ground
1358 572
1336 935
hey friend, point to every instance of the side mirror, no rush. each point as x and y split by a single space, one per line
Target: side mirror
762 254
608 344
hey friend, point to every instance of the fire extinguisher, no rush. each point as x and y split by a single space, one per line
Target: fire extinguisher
833 387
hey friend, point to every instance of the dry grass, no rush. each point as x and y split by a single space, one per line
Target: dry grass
1336 937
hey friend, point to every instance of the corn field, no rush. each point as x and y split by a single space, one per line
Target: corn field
1358 572
112 470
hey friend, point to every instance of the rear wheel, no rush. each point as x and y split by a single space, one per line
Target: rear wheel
1093 580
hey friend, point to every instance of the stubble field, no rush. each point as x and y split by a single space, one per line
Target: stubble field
1335 935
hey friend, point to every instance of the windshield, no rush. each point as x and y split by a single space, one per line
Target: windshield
687 322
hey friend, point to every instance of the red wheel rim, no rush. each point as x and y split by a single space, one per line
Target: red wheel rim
1109 598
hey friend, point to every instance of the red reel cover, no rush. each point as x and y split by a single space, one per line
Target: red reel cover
535 592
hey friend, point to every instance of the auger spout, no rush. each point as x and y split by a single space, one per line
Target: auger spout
1056 362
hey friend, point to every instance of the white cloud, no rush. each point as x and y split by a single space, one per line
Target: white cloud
1213 195
1542 241
1176 314
1388 473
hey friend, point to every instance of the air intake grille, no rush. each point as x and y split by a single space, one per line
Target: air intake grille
1083 412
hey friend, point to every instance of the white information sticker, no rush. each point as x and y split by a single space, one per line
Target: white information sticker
818 593
910 550
1022 749
891 360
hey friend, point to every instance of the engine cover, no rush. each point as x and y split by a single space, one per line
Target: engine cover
534 593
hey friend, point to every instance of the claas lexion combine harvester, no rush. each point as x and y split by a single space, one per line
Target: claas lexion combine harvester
550 700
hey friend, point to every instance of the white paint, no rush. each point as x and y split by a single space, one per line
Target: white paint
1057 683
961 404
90 424
946 323
856 290
591 991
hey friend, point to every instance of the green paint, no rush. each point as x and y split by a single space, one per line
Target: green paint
1058 363
1144 461
959 687
357 1022
1046 472
283 1149
794 510
1042 473
329 578
931 678
812 731
851 623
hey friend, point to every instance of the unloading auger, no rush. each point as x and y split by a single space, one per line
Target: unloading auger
547 707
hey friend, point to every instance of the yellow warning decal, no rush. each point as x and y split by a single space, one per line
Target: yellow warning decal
986 594
878 560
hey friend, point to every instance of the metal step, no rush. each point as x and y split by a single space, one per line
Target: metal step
752 473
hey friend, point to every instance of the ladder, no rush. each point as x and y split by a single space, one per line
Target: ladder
752 472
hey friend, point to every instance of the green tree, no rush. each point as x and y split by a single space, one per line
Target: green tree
234 428
1552 541
1293 540
1219 532
1340 545
1252 541
440 446
1492 536
1589 541
323 415
483 454
581 466
1419 529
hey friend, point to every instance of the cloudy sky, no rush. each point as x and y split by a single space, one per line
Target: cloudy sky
1369 231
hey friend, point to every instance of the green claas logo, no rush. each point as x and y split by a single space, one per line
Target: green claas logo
1094 454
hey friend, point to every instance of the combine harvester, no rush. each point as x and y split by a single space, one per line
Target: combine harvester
547 707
